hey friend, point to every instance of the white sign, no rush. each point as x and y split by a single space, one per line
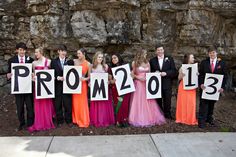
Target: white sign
44 84
21 80
212 83
99 86
72 83
124 81
153 85
190 80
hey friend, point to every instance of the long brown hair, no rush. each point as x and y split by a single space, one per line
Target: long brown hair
94 62
186 58
139 58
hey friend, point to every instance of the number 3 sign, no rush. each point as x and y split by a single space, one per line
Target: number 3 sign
212 83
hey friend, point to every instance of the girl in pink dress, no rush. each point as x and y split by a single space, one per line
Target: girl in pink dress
101 112
43 108
143 112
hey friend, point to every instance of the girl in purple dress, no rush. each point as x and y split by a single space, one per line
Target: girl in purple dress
143 112
43 108
101 112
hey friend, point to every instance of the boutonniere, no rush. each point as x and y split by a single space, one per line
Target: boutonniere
218 67
166 59
28 58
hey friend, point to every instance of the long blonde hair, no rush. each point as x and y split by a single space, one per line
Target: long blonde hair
95 63
139 58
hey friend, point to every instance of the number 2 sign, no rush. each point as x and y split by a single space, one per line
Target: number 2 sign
124 81
212 83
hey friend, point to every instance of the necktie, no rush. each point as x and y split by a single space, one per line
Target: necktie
212 66
21 60
62 63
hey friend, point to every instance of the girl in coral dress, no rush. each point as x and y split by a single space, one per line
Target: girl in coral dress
80 108
186 99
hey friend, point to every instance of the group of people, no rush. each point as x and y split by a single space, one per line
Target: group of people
130 109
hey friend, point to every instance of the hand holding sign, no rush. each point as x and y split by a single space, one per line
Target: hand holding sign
72 82
21 79
99 86
212 85
124 81
44 84
190 77
153 85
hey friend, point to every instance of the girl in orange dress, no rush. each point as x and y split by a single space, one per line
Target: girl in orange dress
186 99
80 110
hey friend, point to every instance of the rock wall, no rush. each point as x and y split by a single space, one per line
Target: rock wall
182 26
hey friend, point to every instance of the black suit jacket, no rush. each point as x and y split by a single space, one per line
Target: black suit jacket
56 65
168 67
16 60
205 67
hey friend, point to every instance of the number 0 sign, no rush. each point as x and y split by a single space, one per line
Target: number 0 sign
212 83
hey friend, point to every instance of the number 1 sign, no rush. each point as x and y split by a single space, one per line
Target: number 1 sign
212 83
190 79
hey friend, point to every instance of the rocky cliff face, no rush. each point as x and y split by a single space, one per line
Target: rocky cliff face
182 26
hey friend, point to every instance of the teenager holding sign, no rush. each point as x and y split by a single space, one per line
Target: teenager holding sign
22 99
211 65
186 99
121 103
143 112
101 111
61 100
166 66
43 108
80 110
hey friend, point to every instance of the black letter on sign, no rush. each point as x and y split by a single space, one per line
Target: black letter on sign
76 84
17 74
123 86
42 81
153 92
212 85
190 77
99 89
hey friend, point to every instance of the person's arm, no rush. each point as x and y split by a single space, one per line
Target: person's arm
151 66
172 73
9 74
224 72
181 74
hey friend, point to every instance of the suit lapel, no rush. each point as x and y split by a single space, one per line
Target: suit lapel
158 65
216 65
164 62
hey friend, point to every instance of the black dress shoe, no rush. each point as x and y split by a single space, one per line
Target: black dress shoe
70 125
21 127
211 123
201 125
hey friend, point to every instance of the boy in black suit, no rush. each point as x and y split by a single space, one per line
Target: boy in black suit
166 66
22 99
213 65
61 100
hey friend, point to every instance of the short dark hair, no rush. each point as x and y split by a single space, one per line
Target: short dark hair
62 47
212 48
158 45
21 45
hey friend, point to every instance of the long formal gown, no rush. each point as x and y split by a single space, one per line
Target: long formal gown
80 110
101 112
186 106
121 107
43 110
143 112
